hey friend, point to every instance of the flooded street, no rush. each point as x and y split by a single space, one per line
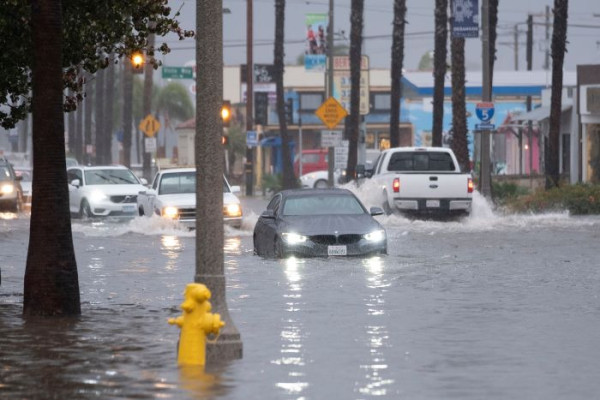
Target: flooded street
492 307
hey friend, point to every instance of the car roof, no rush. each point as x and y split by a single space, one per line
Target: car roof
315 192
176 170
93 167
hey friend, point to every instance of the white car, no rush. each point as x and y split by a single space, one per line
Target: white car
318 179
103 191
173 195
26 175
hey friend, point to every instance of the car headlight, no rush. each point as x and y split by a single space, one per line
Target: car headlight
375 236
8 188
97 196
232 210
293 238
170 212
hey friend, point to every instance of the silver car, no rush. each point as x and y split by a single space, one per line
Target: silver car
103 191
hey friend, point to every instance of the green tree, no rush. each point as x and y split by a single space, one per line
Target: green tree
439 70
353 120
426 61
397 65
173 103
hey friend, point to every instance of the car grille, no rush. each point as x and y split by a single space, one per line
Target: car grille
124 199
332 239
187 213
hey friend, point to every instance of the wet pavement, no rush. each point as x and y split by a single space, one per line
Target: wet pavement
493 307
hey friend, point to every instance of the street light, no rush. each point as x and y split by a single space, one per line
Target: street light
137 61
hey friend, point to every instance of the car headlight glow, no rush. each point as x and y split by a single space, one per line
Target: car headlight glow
232 210
8 188
293 238
170 212
97 196
375 236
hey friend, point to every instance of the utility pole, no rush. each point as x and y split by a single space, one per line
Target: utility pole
485 186
249 167
529 68
547 54
331 152
516 46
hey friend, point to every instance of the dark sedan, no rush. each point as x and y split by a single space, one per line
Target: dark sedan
318 222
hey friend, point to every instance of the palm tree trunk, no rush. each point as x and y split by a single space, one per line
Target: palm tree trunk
109 111
51 281
89 108
289 180
147 109
79 129
127 112
353 120
99 138
439 70
493 14
397 65
459 112
559 40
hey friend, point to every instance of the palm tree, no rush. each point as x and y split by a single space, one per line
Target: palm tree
397 65
51 281
493 18
559 43
289 180
353 120
109 102
99 115
459 112
127 112
173 103
439 69
89 107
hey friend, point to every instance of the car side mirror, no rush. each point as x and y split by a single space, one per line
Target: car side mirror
376 211
76 182
268 214
144 181
18 178
360 171
236 189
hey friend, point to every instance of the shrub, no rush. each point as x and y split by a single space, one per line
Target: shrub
579 199
507 191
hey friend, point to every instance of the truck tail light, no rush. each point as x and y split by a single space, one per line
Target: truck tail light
396 185
470 185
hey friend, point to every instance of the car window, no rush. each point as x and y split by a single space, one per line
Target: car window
430 161
322 205
110 177
73 174
274 204
5 173
179 182
155 182
381 162
310 158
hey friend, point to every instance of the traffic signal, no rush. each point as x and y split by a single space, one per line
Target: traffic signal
226 113
261 108
289 111
137 62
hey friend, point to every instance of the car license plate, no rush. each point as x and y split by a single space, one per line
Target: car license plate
129 208
336 250
432 203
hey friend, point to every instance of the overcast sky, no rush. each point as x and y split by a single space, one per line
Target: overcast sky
584 46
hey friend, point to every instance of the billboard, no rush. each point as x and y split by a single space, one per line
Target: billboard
315 53
465 18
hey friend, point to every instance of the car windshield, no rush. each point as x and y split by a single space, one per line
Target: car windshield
4 173
110 177
322 205
181 182
413 161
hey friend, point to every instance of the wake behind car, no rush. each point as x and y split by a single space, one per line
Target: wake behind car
102 191
173 195
318 222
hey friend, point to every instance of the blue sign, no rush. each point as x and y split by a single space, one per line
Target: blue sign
465 18
485 127
251 139
485 111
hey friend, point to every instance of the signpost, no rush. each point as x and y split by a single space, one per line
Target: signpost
177 72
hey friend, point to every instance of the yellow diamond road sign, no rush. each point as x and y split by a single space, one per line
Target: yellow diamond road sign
331 112
149 125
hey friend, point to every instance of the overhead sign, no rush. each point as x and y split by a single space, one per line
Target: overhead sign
331 138
251 138
177 72
149 125
485 111
341 82
331 112
464 18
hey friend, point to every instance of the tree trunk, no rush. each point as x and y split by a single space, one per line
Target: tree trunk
397 65
439 70
493 20
71 127
89 107
98 140
51 282
147 109
559 40
109 111
127 112
79 130
353 120
459 112
289 180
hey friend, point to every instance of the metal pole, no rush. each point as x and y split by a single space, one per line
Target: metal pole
249 166
330 153
547 55
485 186
300 143
516 46
529 68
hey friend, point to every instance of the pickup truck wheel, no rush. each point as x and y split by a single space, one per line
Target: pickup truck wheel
321 184
386 208
84 211
141 211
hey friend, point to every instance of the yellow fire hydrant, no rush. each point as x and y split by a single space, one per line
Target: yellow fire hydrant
196 322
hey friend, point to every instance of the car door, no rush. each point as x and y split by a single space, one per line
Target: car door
266 228
74 191
149 198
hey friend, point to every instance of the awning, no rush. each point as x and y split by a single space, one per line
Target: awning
540 113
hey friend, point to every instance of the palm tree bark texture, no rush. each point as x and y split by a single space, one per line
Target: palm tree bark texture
289 181
559 44
51 281
396 72
493 20
439 70
459 110
353 120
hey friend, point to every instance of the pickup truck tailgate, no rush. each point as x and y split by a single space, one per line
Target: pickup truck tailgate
433 186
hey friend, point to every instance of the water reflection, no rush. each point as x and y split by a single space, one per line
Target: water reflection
292 335
377 372
171 248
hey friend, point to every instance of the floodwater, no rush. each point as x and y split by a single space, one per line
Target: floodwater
491 307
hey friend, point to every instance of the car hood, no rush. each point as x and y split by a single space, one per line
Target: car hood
329 224
111 190
188 200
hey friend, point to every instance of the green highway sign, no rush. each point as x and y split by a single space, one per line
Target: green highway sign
177 72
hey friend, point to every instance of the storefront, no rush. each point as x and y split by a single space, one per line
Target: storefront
589 109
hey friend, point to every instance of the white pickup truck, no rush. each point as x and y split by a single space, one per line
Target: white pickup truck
422 181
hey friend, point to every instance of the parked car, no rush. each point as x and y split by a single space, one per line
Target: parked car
318 222
173 195
102 191
319 179
26 175
312 160
10 187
